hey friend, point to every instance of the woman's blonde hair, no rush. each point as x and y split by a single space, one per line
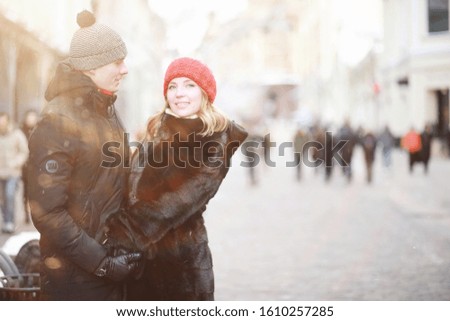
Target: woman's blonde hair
212 118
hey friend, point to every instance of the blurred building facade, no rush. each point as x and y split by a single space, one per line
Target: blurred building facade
144 33
27 61
339 57
299 60
321 74
255 58
295 59
34 38
416 64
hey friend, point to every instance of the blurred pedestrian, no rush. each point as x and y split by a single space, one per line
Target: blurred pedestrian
369 145
12 157
347 134
254 153
29 122
321 153
447 140
168 200
301 137
72 186
426 137
387 141
329 144
412 142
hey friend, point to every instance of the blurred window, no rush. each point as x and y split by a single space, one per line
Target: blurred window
437 15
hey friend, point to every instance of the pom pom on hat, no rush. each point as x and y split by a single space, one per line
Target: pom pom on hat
94 45
85 19
192 69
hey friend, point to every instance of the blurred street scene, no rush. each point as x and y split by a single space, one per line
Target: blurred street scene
284 239
372 222
333 240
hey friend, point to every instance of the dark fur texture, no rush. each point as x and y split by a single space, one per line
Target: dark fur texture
166 221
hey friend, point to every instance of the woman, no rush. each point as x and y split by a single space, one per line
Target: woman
178 169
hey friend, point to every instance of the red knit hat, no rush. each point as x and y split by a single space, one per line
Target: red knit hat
192 69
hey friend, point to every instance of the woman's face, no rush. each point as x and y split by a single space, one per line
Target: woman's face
108 77
184 97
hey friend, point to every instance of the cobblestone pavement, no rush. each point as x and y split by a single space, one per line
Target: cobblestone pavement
314 240
310 240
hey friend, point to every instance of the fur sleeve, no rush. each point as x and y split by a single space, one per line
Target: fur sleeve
146 222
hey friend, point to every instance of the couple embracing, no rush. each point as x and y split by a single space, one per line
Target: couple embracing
113 232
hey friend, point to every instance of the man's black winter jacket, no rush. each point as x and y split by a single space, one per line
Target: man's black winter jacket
71 192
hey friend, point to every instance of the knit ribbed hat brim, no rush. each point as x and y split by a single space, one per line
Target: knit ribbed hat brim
100 59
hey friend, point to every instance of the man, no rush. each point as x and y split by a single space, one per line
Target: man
71 192
12 157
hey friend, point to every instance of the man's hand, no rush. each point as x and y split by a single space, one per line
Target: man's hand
117 268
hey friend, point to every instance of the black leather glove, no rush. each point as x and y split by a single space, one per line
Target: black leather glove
117 268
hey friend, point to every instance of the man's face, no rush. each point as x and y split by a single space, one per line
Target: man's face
108 77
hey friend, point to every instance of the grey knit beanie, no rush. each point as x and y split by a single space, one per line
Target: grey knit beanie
94 45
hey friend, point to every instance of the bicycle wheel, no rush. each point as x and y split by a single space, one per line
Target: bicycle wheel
27 259
7 265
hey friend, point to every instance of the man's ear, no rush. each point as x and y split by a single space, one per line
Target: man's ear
89 73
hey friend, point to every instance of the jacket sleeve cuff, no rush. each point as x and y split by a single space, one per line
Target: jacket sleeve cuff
91 256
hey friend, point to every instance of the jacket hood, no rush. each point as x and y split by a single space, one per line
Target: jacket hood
68 81
73 83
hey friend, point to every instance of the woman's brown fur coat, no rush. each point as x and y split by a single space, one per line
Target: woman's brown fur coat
172 179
